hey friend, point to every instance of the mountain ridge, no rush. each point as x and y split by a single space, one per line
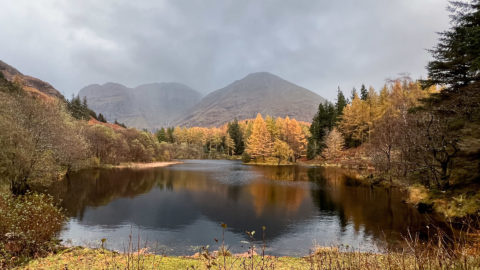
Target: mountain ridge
244 98
150 105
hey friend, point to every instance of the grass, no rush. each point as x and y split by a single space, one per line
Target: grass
323 258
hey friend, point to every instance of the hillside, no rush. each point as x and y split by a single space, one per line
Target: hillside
148 106
260 92
30 84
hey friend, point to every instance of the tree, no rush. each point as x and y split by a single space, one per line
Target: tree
341 102
161 135
323 121
101 118
170 137
272 128
229 145
457 56
281 150
334 145
385 138
353 94
259 144
363 93
236 134
295 138
356 122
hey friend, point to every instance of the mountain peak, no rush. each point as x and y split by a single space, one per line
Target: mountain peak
259 92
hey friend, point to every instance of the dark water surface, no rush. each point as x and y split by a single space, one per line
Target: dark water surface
177 209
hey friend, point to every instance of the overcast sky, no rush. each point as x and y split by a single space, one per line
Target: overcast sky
208 44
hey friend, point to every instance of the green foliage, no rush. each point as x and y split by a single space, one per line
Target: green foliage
38 140
341 102
322 123
161 135
237 136
28 225
363 92
457 56
79 109
101 118
246 157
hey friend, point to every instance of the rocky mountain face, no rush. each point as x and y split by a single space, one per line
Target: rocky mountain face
148 106
260 92
30 84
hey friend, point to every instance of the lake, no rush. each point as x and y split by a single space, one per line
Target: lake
175 210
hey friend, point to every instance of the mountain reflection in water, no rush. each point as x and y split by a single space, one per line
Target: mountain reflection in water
181 207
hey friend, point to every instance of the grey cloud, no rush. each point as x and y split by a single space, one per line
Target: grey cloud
208 44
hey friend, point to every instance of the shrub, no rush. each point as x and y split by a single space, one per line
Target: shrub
28 226
246 157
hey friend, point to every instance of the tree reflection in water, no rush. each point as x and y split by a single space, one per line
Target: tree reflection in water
287 200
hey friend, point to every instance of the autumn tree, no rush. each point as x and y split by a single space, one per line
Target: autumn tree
334 145
282 151
295 137
229 144
259 143
355 122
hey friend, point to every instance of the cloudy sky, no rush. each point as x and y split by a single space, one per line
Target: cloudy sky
206 44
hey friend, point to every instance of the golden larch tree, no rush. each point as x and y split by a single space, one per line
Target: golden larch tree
259 144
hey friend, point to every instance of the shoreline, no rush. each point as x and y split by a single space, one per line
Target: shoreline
146 165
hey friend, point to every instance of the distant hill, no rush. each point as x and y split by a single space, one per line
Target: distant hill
148 106
30 84
260 92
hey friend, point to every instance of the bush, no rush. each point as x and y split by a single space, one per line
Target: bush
28 226
246 157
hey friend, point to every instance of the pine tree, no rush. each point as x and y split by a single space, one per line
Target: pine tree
353 94
170 137
101 118
457 56
341 102
363 92
162 135
322 123
236 134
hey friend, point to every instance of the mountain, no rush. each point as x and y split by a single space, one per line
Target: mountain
148 106
30 84
260 92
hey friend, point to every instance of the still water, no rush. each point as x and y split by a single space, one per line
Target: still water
175 210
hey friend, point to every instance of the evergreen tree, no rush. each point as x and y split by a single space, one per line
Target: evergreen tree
363 92
170 137
237 137
322 123
354 93
161 135
341 102
101 118
457 56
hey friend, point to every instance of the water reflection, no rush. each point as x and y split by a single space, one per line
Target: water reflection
181 206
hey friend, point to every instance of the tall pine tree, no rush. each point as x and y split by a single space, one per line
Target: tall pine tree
322 123
237 137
